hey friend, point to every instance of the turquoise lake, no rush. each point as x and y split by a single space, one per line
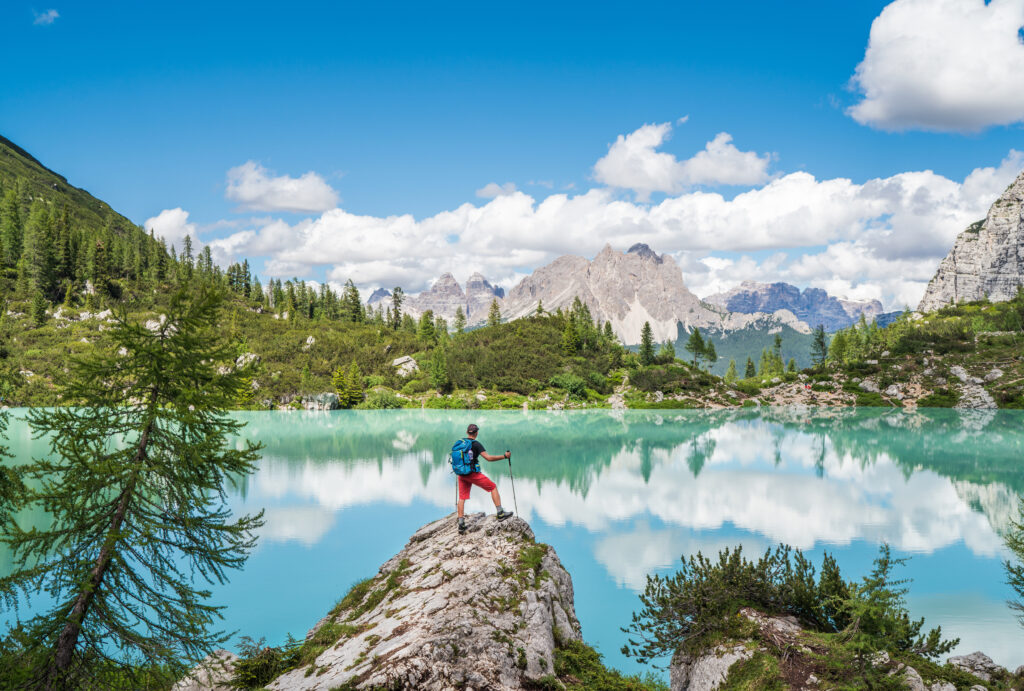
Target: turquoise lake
620 495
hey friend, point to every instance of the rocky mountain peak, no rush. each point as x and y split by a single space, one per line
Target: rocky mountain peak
644 251
378 295
987 258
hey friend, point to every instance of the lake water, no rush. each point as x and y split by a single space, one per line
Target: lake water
620 495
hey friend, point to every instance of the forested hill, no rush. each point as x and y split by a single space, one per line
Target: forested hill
21 173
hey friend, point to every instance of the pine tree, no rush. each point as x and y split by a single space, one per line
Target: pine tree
539 312
397 298
667 352
133 525
819 346
570 338
338 381
439 377
460 320
353 386
791 366
749 372
695 344
646 344
425 331
710 354
730 374
38 308
494 313
609 332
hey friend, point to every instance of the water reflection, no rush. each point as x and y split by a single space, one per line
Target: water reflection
919 481
623 494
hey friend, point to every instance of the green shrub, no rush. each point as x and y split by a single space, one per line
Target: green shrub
940 398
381 400
700 600
571 384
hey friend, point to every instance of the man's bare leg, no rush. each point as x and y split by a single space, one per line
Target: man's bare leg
462 507
495 497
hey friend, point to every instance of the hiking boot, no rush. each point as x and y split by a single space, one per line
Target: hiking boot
462 528
503 514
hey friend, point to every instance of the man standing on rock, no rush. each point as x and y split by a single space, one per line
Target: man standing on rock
479 479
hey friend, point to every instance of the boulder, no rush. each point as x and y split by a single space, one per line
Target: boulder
322 401
481 610
246 359
708 671
405 365
979 664
212 674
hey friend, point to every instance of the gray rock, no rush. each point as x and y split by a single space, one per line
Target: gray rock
979 664
869 385
706 672
942 686
894 391
987 258
405 365
994 373
912 679
322 401
246 359
466 614
212 674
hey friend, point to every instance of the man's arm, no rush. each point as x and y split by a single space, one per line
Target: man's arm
488 457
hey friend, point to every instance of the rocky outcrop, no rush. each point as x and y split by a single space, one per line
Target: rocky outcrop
972 395
987 258
478 611
813 306
212 674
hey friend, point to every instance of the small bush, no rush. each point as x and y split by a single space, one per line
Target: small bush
940 398
381 400
571 384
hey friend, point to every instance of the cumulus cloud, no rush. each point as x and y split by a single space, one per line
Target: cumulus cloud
45 18
254 187
493 189
948 65
172 225
633 162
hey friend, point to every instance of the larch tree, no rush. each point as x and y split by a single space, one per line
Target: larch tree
819 346
135 487
460 320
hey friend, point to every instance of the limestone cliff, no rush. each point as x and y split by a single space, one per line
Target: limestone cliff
986 259
476 611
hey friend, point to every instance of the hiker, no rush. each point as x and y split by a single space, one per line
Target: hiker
465 461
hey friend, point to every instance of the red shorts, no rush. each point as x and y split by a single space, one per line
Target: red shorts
478 479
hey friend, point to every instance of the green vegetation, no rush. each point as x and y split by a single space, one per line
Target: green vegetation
847 623
578 667
136 521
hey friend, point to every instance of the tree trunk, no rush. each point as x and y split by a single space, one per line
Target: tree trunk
68 639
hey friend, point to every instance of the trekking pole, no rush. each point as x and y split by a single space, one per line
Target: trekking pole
510 477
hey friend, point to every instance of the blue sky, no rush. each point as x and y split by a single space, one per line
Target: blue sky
411 109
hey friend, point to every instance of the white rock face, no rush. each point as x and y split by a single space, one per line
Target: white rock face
464 613
406 365
987 258
706 672
444 297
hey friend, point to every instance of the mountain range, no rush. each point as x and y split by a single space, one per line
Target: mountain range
639 285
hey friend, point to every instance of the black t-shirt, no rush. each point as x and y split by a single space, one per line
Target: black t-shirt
478 449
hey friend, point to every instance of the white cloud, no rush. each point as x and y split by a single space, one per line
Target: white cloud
45 18
948 65
172 225
633 162
493 189
251 185
883 238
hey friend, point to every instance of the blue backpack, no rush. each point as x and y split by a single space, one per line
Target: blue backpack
462 459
